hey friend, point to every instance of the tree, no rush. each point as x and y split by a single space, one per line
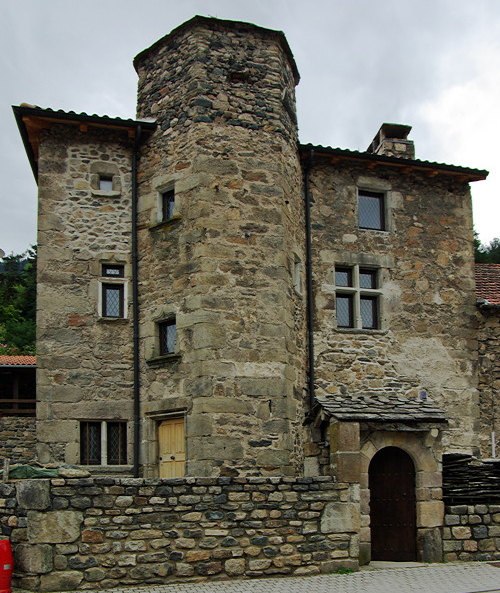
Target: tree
486 254
18 303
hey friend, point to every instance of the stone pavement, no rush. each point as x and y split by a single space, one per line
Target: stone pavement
477 577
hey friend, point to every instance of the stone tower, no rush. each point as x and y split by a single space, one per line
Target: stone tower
220 235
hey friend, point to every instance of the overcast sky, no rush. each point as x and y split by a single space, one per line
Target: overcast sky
432 64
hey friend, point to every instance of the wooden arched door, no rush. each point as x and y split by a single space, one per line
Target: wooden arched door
392 506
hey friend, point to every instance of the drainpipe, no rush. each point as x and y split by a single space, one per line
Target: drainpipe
309 279
135 304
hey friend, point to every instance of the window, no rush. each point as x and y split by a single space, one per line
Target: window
105 183
167 205
17 391
167 336
297 276
112 293
357 297
103 443
371 206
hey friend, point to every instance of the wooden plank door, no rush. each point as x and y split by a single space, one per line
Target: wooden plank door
172 448
392 506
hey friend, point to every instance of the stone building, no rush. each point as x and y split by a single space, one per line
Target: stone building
216 299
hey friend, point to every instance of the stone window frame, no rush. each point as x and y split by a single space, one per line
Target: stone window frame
297 275
107 281
158 355
104 427
383 263
375 185
105 170
162 188
357 293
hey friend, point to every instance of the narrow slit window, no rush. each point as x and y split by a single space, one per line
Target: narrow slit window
168 336
167 205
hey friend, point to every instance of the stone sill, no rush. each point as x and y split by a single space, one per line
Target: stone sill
99 193
166 223
108 470
164 359
366 332
119 320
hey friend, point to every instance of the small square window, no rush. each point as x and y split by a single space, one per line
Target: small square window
167 205
105 183
167 336
371 210
343 276
367 278
113 271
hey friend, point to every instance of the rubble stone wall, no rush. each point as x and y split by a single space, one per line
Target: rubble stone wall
489 380
108 532
18 438
425 342
472 532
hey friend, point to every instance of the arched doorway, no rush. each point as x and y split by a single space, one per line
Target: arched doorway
392 506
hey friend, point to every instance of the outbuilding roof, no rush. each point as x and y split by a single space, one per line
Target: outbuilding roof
17 361
380 407
488 283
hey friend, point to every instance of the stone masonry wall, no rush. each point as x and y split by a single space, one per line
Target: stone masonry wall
18 438
223 266
426 341
84 359
472 532
489 379
105 532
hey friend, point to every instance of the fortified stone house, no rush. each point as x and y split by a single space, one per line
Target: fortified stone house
216 299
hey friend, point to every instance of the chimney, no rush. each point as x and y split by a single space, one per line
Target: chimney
392 140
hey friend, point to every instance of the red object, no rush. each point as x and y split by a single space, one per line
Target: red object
6 566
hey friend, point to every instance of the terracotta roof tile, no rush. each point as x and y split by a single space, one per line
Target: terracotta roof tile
488 282
17 360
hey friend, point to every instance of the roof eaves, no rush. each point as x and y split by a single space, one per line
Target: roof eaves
70 117
403 163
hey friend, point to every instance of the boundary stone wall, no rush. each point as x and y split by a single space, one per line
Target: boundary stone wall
472 532
18 438
83 533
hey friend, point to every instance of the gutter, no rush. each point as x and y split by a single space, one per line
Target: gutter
309 279
135 305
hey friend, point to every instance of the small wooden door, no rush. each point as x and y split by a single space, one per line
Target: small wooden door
392 506
172 447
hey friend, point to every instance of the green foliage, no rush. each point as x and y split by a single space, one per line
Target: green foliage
18 303
486 254
343 570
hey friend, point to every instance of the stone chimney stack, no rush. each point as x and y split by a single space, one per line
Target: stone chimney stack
392 140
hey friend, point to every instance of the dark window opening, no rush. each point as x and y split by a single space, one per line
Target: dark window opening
167 331
343 276
117 443
371 210
367 278
112 300
113 271
90 443
167 204
18 392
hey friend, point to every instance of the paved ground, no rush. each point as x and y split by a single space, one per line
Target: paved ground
477 577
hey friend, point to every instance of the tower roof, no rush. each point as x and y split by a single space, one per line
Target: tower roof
214 23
